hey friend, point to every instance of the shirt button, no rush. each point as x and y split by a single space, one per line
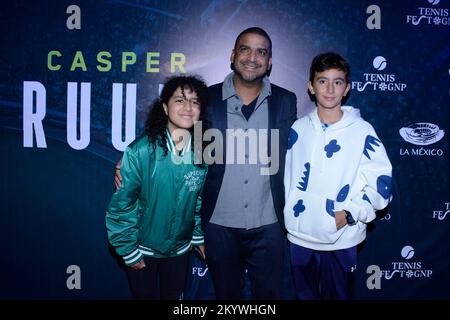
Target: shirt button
246 156
236 108
246 206
246 181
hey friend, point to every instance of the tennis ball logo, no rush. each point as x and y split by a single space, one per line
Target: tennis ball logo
434 2
379 63
407 252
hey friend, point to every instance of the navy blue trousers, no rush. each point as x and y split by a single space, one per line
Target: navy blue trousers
323 275
162 278
229 251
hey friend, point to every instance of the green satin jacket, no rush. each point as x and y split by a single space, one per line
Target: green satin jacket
156 210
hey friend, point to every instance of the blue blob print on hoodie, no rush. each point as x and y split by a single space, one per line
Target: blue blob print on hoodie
368 145
330 207
299 208
342 195
302 185
293 136
384 185
365 197
331 148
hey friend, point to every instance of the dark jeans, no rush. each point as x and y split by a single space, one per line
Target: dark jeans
230 250
162 278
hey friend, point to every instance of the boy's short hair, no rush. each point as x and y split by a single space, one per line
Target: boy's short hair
327 61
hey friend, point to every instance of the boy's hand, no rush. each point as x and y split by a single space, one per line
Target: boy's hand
117 176
339 217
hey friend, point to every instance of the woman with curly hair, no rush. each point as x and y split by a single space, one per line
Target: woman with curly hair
153 219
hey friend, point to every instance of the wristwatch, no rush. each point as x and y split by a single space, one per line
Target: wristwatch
349 218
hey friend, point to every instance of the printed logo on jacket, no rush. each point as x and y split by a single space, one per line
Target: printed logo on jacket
193 179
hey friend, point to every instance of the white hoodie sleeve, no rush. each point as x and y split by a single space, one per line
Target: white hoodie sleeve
373 182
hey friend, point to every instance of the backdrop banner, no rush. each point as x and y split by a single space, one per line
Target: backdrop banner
76 82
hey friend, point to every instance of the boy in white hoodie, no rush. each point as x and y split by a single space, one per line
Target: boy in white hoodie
337 175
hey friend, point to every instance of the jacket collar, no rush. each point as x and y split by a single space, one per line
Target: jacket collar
171 145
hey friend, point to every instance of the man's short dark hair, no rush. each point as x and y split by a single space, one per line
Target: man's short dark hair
255 30
327 61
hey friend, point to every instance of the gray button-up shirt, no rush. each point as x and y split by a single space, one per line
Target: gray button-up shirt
245 199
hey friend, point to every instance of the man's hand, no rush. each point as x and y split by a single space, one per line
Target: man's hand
138 266
339 217
201 251
117 176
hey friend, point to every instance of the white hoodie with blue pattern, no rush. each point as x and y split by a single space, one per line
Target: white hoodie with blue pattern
341 167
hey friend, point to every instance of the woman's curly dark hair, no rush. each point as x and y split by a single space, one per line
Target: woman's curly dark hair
156 123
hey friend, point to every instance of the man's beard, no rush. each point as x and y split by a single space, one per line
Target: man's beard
252 77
